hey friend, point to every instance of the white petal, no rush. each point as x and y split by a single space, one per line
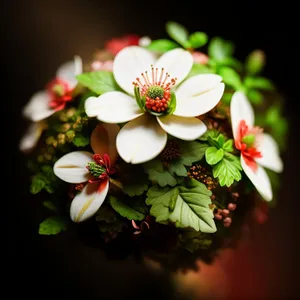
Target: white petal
260 180
270 154
129 63
198 95
187 129
103 140
177 63
113 107
141 140
69 70
240 109
37 108
31 137
72 167
88 201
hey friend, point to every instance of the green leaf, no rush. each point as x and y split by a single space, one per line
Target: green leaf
191 152
255 62
125 210
161 199
231 77
228 170
162 45
178 168
80 140
219 49
199 69
198 39
255 96
37 184
52 225
50 205
228 145
178 33
99 81
186 206
258 83
231 62
213 155
192 208
136 188
157 173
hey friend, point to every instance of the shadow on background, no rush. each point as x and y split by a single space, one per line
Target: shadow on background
42 35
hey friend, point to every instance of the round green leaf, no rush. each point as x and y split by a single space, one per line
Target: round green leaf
213 155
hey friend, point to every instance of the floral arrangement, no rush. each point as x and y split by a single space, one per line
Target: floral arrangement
158 141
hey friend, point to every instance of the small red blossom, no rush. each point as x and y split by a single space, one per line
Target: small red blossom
60 93
200 58
117 44
249 153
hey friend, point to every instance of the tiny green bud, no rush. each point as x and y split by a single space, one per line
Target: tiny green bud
155 91
95 169
249 139
70 135
255 62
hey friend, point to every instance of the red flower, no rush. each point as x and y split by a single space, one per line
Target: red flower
117 44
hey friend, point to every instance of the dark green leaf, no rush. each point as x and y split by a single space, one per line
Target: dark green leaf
191 152
52 225
162 45
213 155
50 205
81 140
37 184
178 33
178 168
255 96
198 39
125 210
137 187
99 81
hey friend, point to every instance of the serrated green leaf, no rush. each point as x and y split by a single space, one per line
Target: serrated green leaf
191 152
228 145
190 206
157 173
99 81
178 33
255 62
37 184
255 96
81 140
231 77
198 39
213 155
228 170
162 45
137 188
258 83
125 210
52 225
219 49
178 168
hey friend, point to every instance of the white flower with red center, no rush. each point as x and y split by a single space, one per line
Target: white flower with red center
93 169
154 104
258 149
58 92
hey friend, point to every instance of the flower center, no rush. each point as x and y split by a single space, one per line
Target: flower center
100 168
155 90
60 93
247 142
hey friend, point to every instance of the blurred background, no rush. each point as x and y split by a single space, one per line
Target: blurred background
38 37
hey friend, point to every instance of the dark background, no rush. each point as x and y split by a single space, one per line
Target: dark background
38 37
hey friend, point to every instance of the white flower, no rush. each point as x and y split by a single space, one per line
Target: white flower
258 149
152 112
95 169
45 103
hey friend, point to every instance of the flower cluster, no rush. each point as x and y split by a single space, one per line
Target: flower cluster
153 133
